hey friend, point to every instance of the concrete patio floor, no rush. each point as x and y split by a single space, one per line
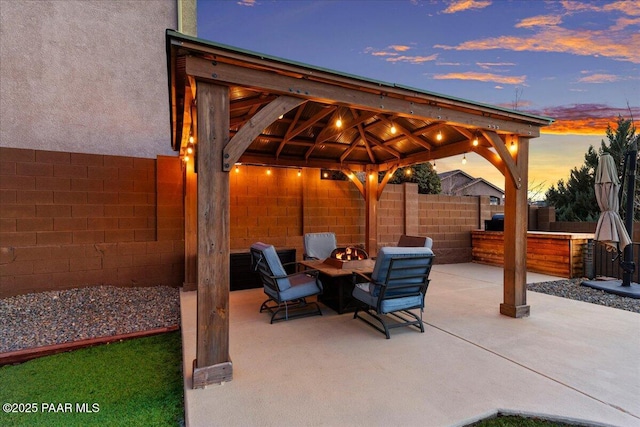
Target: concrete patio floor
569 360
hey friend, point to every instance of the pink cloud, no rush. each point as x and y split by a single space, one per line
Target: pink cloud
482 77
462 5
538 21
584 119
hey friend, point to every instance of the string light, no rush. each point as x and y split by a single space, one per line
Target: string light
393 129
269 171
325 175
513 146
434 165
299 172
339 123
464 159
186 159
189 149
407 171
439 136
475 141
237 168
281 116
191 139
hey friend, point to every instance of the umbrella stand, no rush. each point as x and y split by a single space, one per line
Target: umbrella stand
627 288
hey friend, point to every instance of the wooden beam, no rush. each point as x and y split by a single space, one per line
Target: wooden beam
371 209
505 155
354 180
387 176
516 213
357 98
212 352
248 133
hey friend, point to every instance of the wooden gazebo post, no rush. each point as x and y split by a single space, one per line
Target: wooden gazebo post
212 364
515 236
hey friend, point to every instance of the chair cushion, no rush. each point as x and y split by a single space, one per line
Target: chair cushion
319 245
386 253
272 260
302 285
367 293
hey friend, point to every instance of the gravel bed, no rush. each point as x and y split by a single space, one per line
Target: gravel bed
572 289
56 317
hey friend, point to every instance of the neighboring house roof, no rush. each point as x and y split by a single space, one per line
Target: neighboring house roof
469 182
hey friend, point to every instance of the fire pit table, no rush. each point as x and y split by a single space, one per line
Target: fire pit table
337 280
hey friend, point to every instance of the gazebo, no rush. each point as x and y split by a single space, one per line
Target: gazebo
230 105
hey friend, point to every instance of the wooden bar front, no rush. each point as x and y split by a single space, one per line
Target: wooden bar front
557 254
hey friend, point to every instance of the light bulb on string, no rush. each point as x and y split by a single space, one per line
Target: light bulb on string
464 159
439 136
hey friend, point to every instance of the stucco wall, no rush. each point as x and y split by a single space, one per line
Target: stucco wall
85 76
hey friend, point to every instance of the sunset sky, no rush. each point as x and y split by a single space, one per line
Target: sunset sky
575 61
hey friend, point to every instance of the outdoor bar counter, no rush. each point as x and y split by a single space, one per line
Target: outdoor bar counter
558 254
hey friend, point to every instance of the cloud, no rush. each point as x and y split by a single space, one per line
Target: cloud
584 119
391 55
482 77
599 78
412 59
539 21
462 5
249 3
555 39
399 48
550 36
490 65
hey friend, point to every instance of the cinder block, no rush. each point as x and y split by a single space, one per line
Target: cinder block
53 184
118 185
17 211
34 224
146 235
119 236
102 172
102 223
92 185
53 157
69 224
106 198
17 155
69 197
51 266
7 168
34 169
54 238
88 236
7 225
69 171
18 183
18 239
87 159
85 263
35 197
118 161
87 211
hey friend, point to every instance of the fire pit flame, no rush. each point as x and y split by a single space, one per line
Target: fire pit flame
349 254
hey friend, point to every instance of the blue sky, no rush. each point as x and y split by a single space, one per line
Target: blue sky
575 61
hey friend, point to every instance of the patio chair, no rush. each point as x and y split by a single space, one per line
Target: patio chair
286 292
319 245
415 242
398 284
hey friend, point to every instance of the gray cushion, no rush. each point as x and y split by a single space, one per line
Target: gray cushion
319 245
272 260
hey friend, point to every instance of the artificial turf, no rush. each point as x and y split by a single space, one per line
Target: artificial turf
136 382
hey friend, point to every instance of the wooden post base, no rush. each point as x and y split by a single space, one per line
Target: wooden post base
215 374
516 311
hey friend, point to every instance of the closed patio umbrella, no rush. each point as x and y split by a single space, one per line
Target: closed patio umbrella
610 229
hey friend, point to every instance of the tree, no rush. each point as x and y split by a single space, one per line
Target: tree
575 199
422 174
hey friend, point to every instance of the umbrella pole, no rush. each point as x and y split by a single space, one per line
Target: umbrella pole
628 266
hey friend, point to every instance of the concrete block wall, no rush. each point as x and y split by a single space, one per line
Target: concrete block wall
71 219
265 207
